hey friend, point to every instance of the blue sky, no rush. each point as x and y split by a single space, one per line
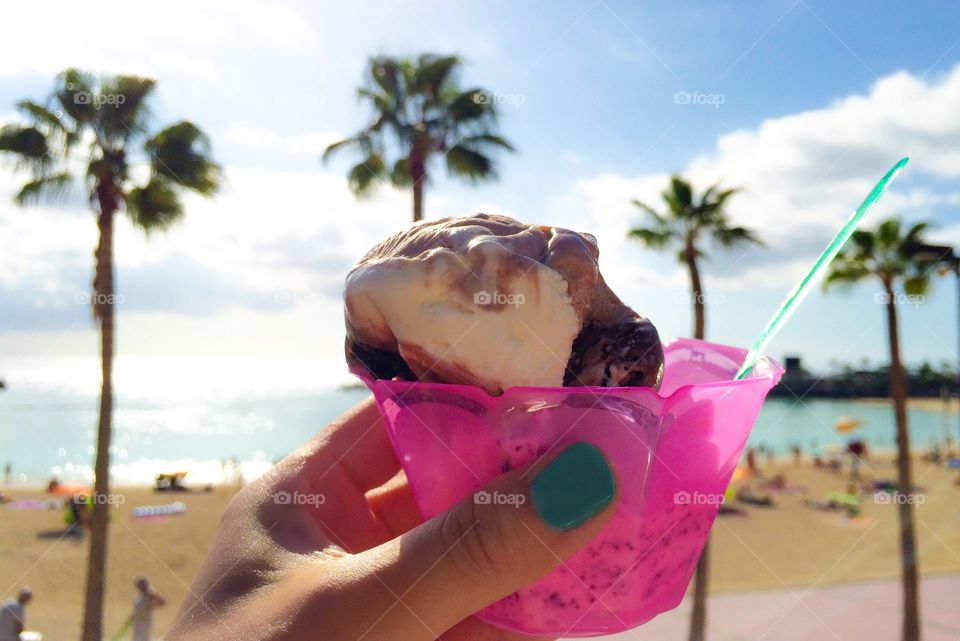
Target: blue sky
804 104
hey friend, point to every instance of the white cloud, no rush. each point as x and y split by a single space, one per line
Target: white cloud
309 144
811 169
804 173
145 37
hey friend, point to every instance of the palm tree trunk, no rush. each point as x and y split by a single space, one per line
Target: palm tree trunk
104 314
418 172
699 316
908 551
698 617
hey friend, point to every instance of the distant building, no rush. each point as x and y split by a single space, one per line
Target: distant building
792 365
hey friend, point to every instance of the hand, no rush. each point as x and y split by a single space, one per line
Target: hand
358 564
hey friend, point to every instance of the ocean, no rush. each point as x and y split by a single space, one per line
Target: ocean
196 414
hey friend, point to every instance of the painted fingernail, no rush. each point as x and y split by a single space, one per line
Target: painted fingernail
574 487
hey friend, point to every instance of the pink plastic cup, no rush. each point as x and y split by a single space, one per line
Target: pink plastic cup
674 453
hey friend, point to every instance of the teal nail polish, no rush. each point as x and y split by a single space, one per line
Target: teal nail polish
573 487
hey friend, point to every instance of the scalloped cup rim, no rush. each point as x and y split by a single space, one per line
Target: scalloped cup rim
765 369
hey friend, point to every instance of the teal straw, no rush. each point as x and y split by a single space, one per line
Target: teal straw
800 291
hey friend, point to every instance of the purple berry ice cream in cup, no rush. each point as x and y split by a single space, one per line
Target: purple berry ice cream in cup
489 343
674 452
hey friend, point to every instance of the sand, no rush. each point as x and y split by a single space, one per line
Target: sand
168 551
930 404
769 548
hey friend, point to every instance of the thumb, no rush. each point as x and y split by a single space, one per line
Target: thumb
510 534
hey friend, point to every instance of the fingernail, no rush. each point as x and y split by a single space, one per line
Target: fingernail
574 487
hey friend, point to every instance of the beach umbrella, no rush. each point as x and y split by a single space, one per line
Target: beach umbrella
846 424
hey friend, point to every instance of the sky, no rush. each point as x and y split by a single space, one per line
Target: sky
804 104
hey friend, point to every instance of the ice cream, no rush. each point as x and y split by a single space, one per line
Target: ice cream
493 302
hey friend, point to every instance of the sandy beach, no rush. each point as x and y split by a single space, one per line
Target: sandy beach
767 548
930 404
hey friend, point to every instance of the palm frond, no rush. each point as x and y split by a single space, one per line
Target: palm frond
733 236
652 238
400 175
181 152
366 174
431 73
650 211
467 162
386 73
916 232
845 272
473 104
42 116
381 102
122 103
682 254
154 206
679 197
27 144
360 141
887 234
917 285
75 92
487 139
709 193
722 197
51 188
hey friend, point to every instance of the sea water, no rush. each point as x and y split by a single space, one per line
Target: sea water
221 419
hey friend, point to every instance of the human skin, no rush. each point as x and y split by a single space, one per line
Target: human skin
360 564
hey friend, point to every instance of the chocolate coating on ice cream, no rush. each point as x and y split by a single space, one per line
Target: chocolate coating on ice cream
489 301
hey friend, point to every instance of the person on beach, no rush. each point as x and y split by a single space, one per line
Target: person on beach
13 615
858 454
146 601
752 461
329 544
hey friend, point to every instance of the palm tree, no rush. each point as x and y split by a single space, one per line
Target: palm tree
419 113
95 130
885 255
684 224
686 221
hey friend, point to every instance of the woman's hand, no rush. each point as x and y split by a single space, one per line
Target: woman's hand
330 545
